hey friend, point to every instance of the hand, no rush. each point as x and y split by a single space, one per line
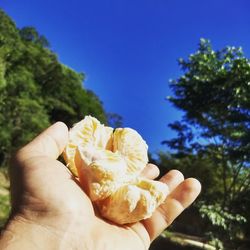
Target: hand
51 211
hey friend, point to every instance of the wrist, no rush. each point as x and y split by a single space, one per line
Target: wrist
20 233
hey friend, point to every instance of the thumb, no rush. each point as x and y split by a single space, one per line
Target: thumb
50 143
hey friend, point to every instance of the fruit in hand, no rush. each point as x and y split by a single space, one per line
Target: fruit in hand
108 163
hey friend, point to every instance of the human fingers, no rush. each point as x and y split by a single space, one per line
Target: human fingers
50 143
151 171
179 199
173 178
147 227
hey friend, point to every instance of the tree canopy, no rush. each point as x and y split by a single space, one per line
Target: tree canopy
36 89
213 136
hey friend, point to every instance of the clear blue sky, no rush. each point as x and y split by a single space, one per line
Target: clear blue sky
128 49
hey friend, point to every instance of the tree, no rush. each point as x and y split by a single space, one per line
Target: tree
114 120
214 95
30 34
36 89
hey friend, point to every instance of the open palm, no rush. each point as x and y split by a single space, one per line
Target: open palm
45 194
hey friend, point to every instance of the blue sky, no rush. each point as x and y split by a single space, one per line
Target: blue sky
129 49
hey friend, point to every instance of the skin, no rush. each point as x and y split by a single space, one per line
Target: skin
51 211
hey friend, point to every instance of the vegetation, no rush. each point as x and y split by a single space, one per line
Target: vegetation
4 196
213 141
35 91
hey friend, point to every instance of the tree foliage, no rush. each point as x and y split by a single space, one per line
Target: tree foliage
213 136
36 89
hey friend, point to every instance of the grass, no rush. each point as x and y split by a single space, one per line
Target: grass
4 197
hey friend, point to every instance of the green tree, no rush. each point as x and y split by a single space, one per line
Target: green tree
36 89
214 95
30 34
